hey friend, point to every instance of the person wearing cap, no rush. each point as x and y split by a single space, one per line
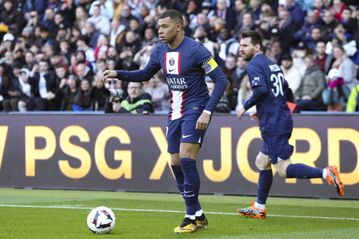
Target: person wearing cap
7 43
25 87
291 74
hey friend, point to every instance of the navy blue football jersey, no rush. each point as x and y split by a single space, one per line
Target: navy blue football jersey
272 110
184 69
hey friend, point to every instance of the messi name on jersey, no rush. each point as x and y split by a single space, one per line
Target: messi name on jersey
274 68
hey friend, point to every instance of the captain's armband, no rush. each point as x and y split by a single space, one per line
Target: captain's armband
209 65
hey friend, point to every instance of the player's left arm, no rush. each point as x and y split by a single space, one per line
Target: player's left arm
215 73
259 90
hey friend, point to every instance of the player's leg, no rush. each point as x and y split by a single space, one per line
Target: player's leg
191 140
177 171
286 169
173 135
257 209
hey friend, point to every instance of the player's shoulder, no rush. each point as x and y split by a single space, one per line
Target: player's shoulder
194 45
261 62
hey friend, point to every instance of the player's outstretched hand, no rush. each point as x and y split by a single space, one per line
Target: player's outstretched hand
203 121
240 112
108 74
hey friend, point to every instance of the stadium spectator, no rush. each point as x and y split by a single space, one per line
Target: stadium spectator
116 32
48 19
255 7
68 90
247 22
90 35
346 66
143 56
137 101
106 8
44 86
353 101
12 90
238 74
274 51
4 83
337 8
291 74
228 45
159 93
305 30
11 16
309 93
240 9
296 12
25 89
225 12
313 39
82 100
101 23
321 58
336 94
149 37
81 18
330 23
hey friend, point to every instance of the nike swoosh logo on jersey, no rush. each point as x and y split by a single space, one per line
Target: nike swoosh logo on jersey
170 70
186 136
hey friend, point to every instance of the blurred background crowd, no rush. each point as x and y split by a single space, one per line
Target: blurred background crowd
53 52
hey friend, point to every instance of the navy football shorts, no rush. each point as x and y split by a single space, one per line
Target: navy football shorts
183 130
277 147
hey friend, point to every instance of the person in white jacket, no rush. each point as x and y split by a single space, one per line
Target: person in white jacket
291 73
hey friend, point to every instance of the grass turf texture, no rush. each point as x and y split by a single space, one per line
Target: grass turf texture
284 216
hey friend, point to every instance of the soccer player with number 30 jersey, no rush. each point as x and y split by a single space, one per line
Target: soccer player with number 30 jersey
275 122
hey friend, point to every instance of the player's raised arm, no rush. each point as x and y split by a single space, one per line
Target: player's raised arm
145 74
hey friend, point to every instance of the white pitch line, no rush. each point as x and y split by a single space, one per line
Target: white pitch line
169 211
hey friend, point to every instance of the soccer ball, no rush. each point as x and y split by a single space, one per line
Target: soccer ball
101 220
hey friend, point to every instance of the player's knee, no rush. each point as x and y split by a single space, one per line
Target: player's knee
281 167
262 162
175 159
188 150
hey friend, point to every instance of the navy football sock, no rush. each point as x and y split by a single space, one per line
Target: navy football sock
303 171
177 171
264 184
191 185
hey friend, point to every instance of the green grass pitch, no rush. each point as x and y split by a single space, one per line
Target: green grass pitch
62 214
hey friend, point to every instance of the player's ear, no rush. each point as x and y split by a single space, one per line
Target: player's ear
178 27
257 47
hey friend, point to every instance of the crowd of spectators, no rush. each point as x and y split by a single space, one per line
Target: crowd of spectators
53 52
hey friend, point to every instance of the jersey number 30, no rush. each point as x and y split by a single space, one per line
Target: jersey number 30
277 80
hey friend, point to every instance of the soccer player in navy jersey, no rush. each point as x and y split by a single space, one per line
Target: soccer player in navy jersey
275 124
184 63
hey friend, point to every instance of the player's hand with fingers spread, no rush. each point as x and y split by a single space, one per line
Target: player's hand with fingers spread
203 121
108 74
240 112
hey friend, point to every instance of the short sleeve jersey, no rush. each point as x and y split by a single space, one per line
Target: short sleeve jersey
272 110
184 69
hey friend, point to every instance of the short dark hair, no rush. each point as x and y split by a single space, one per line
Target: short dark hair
254 36
174 15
